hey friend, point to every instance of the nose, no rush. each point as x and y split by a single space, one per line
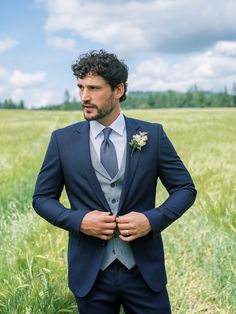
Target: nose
85 95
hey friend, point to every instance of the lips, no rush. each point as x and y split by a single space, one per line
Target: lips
89 106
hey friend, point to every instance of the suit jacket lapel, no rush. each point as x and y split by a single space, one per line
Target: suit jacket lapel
85 163
132 128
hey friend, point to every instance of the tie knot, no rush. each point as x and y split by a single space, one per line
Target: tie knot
106 132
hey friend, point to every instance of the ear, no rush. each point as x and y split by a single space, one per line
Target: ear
119 90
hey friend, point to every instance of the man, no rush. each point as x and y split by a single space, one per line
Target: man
109 166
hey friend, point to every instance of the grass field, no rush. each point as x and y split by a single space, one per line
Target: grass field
200 247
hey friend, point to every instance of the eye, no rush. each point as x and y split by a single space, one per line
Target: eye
95 87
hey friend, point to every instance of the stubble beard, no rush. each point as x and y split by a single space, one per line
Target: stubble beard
102 112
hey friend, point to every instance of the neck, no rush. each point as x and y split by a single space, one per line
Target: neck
106 121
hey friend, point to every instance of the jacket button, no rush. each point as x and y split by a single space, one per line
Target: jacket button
113 184
113 201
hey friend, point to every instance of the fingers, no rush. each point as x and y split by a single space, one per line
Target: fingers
106 235
132 226
126 225
102 225
127 230
99 224
128 238
124 219
109 218
128 234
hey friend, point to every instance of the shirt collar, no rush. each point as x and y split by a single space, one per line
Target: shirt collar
118 126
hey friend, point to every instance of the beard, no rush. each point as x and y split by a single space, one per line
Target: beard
101 112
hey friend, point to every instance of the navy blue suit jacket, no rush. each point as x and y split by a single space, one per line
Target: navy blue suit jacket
68 163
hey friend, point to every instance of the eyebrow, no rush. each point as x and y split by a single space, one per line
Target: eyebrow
89 85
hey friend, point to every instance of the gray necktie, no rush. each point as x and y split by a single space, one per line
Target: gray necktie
108 154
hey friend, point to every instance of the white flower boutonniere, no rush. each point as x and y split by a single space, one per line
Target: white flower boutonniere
138 141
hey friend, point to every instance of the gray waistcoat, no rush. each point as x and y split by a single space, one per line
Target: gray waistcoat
116 248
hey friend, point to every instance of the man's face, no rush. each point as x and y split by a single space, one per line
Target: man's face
99 101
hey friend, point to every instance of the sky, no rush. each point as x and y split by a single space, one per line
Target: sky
167 44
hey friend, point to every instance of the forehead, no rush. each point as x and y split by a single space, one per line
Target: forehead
92 79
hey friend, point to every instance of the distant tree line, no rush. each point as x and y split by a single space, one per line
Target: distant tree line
193 98
10 104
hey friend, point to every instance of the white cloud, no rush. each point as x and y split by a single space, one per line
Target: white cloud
19 85
157 25
62 43
3 73
44 98
21 79
7 44
4 76
17 94
2 90
35 97
226 48
211 70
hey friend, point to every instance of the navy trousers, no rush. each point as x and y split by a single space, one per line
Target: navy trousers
116 286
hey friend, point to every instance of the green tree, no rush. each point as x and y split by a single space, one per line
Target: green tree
66 97
234 94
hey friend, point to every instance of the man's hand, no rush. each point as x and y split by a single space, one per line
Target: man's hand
132 226
99 224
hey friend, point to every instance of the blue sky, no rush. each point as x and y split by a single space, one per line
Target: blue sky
167 44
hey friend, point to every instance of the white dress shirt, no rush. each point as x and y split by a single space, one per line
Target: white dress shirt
117 136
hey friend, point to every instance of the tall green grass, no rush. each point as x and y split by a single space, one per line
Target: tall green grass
200 247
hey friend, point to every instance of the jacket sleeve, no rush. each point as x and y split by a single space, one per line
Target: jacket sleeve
48 188
177 181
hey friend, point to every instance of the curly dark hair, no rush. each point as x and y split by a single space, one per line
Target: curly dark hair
104 64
